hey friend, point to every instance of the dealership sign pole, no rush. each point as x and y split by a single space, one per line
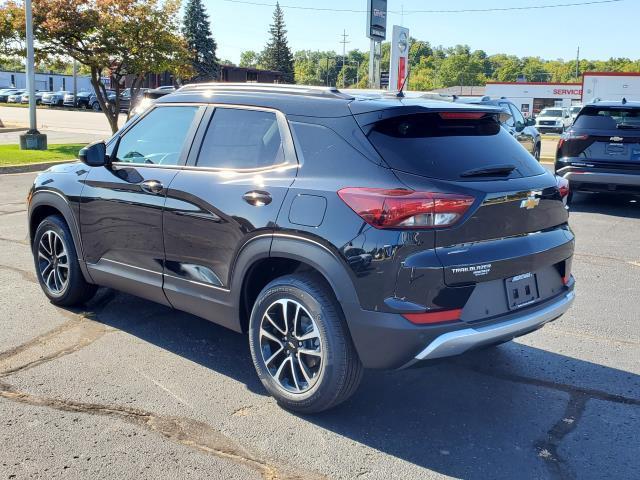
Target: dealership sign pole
398 65
377 32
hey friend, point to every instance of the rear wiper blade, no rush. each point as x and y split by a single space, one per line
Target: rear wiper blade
489 170
628 126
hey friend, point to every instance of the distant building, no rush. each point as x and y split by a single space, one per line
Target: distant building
611 86
231 73
45 81
532 97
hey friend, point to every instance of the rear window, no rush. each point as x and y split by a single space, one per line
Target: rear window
428 145
608 118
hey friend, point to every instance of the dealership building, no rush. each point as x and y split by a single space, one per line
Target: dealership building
532 97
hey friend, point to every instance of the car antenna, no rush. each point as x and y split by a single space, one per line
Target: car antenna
400 93
624 100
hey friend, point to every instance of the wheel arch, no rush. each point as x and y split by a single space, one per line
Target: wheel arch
45 203
288 254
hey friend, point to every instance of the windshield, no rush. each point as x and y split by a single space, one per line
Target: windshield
609 118
551 112
575 110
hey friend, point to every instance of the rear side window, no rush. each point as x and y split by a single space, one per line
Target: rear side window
426 144
608 118
242 139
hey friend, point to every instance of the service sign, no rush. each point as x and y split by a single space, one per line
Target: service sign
377 20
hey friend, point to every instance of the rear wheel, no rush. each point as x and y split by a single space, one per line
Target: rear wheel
300 345
57 265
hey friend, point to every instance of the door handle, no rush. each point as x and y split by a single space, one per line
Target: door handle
257 198
152 186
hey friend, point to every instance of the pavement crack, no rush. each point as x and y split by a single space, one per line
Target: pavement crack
570 389
25 274
184 431
13 240
548 448
12 212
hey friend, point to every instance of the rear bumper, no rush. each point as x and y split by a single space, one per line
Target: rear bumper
460 341
603 178
389 341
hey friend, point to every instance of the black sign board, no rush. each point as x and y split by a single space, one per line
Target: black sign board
377 20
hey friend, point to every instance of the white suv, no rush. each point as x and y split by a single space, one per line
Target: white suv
553 119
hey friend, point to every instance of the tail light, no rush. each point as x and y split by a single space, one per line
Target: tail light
427 318
563 186
570 136
398 208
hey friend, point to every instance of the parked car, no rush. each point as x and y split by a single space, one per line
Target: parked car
93 103
148 97
5 93
601 151
39 94
522 129
573 111
16 97
54 98
554 119
80 100
341 231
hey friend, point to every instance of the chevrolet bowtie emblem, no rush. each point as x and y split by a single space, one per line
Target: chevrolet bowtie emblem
530 202
616 139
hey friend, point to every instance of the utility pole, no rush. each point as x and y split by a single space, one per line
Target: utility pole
344 52
578 63
33 139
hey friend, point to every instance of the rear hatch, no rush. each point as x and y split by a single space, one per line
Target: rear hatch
517 223
604 137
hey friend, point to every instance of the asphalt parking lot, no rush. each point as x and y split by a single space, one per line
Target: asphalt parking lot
129 389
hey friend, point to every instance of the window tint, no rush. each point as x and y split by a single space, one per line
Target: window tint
241 139
426 144
609 118
158 138
508 120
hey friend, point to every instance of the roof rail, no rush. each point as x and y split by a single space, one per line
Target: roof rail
596 100
288 89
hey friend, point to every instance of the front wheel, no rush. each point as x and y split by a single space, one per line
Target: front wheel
95 106
57 265
300 345
536 152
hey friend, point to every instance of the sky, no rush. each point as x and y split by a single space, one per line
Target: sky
549 33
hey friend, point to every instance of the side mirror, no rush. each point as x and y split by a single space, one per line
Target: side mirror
520 126
94 155
530 122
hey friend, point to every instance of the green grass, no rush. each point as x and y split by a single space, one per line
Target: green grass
12 155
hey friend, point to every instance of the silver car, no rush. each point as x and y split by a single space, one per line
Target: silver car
16 97
54 98
25 97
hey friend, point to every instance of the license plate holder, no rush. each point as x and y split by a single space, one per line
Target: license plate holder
522 290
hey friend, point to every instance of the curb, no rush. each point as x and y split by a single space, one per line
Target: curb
31 167
13 129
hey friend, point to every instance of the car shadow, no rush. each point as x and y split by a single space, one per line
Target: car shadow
618 205
495 413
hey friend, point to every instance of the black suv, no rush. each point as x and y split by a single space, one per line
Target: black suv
601 151
341 231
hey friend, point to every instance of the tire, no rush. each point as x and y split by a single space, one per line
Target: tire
95 106
53 238
332 373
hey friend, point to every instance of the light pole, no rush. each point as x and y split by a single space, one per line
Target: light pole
33 139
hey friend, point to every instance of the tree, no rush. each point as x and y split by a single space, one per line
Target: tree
277 55
197 33
116 38
249 59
